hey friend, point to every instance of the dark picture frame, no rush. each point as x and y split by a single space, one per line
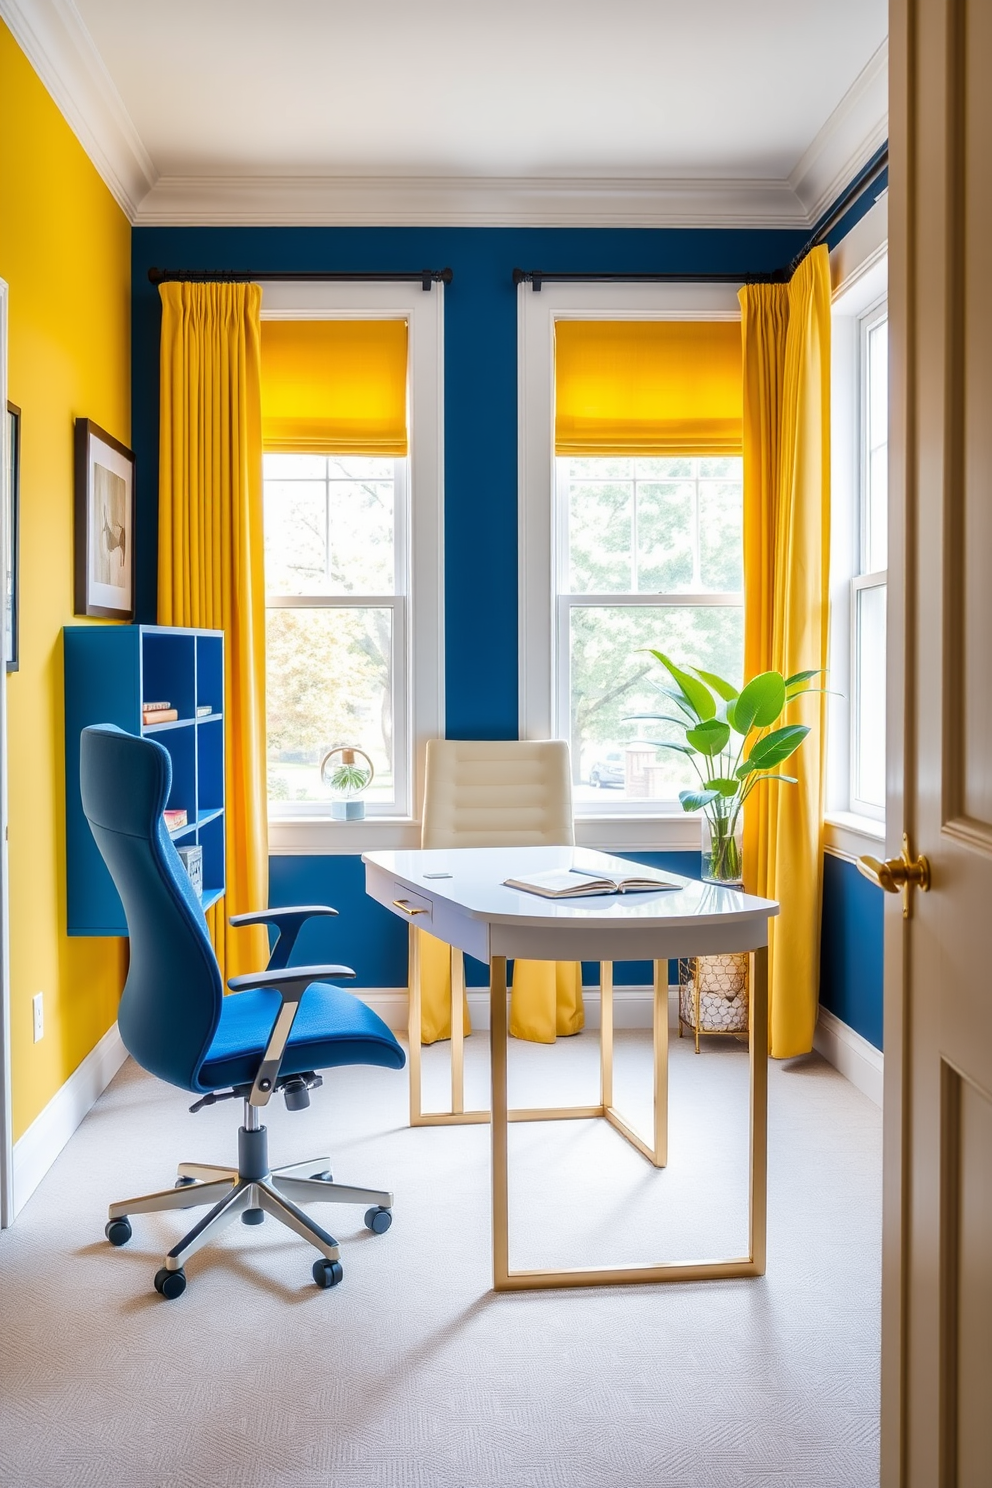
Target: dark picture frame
11 567
104 524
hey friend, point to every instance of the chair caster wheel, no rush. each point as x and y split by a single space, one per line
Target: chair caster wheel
118 1231
170 1284
378 1220
183 1182
325 1177
253 1216
327 1273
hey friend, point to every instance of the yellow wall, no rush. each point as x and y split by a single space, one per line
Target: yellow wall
65 254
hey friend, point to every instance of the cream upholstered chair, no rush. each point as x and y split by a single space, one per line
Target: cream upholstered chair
498 793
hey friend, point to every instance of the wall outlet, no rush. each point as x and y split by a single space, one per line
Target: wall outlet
38 1013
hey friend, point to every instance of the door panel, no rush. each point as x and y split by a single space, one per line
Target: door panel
968 1373
937 1286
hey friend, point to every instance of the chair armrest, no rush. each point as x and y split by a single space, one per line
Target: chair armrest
290 983
280 977
289 920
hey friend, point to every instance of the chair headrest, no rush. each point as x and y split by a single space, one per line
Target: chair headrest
124 781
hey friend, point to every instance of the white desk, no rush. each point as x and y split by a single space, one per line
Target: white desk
474 912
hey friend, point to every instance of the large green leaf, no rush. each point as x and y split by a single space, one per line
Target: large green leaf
798 677
696 693
760 702
695 800
710 737
725 786
777 746
723 689
744 770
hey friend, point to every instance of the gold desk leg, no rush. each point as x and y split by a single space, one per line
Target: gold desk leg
457 1032
605 1033
414 1026
759 1110
498 1061
660 1158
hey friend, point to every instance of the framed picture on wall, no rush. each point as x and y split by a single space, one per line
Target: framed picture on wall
11 543
104 517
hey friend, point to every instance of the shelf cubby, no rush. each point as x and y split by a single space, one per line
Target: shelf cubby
111 672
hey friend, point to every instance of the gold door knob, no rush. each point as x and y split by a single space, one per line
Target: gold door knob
898 875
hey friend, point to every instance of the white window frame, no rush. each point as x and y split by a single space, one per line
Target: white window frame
629 825
418 644
859 271
397 603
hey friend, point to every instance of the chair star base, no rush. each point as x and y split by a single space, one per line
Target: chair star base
251 1189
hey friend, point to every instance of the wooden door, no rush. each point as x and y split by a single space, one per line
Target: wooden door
937 1271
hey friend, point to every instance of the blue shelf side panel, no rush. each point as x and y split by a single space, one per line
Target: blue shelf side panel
110 672
102 685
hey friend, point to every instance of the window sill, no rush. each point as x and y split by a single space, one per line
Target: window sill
847 835
319 836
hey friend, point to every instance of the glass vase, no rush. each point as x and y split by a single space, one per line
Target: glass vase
723 848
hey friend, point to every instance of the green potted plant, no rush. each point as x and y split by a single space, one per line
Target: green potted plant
734 739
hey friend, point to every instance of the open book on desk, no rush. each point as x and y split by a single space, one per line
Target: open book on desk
578 883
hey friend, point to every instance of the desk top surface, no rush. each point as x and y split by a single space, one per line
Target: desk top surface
476 889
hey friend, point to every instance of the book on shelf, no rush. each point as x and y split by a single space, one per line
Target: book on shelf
204 710
159 715
192 860
175 817
154 707
578 883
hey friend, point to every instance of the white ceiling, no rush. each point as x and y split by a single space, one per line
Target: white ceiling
323 107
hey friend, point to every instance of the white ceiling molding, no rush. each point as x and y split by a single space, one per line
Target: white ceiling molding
858 126
55 41
469 201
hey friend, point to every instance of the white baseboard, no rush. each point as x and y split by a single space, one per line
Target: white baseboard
44 1139
632 1006
855 1058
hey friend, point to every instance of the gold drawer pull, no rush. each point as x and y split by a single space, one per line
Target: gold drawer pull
404 905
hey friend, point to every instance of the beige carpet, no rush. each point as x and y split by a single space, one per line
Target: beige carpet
412 1373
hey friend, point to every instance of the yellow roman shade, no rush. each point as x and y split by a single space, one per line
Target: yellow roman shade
335 387
648 387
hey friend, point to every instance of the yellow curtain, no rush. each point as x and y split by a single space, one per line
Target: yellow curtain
334 387
647 387
210 557
545 996
786 340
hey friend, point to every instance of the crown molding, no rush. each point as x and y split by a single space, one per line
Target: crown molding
55 41
856 129
465 201
59 47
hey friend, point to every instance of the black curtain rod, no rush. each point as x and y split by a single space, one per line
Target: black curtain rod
425 278
823 229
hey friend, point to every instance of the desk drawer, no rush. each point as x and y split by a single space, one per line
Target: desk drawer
415 907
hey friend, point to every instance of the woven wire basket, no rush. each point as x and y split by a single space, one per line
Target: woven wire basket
713 994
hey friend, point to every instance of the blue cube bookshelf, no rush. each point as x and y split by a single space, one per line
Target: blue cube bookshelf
110 671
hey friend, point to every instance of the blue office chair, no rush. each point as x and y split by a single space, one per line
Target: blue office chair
283 1024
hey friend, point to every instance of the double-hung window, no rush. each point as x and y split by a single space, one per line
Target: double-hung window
353 557
859 536
630 534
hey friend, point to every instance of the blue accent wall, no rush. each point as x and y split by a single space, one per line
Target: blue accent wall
851 949
480 516
480 353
